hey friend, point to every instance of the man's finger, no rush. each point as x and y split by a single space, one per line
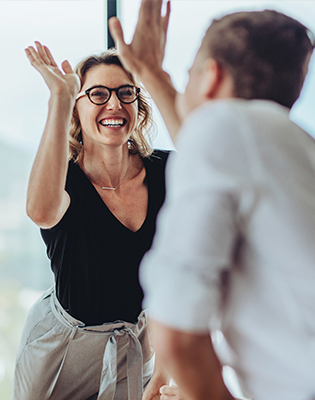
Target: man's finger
156 10
169 391
117 33
166 18
146 9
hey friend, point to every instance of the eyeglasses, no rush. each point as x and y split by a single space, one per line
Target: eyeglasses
101 94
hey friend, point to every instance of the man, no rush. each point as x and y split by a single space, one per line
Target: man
234 246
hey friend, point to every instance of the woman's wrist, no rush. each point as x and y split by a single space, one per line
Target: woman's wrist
62 98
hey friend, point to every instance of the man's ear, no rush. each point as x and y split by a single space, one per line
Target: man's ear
212 78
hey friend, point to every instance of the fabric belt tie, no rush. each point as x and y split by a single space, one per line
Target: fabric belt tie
134 367
109 370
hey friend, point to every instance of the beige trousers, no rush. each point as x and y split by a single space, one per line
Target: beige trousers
61 359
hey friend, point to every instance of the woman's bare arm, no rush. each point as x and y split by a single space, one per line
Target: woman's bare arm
47 201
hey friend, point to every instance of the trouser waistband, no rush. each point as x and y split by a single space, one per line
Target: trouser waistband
64 317
134 353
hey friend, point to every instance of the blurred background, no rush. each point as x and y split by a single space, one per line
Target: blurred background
72 30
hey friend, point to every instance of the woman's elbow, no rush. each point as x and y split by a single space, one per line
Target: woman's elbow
47 213
41 216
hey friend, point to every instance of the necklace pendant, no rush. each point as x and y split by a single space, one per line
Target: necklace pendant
108 188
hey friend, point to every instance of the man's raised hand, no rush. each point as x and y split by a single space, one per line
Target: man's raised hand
146 51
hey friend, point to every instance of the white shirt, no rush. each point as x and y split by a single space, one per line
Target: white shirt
241 204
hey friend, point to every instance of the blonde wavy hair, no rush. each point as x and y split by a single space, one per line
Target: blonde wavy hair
140 139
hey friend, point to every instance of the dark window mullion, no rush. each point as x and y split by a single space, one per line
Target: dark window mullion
111 12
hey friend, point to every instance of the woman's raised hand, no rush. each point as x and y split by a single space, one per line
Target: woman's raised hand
66 82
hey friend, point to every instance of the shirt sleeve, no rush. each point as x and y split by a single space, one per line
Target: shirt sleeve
208 183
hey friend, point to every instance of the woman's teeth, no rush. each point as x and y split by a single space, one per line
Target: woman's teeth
112 122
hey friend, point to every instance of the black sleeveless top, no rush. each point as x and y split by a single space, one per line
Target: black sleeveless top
94 257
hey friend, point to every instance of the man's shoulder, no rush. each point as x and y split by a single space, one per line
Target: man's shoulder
234 109
228 119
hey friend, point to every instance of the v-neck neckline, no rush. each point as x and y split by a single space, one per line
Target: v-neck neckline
108 211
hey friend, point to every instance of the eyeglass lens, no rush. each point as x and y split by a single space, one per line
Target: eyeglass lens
100 95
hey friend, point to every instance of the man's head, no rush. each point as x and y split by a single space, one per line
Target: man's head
264 54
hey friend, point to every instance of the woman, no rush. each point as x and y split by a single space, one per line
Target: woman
86 338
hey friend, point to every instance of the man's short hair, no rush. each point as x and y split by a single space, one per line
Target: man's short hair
265 52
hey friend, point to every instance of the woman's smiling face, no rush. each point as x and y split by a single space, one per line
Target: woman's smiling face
111 123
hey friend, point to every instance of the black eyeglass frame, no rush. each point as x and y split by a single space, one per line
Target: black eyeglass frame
87 92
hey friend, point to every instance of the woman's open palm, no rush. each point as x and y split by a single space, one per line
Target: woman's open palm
58 82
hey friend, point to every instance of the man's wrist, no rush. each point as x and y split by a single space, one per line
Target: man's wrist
150 76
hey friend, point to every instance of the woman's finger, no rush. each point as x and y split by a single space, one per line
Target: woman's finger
32 55
42 53
66 67
29 54
50 57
